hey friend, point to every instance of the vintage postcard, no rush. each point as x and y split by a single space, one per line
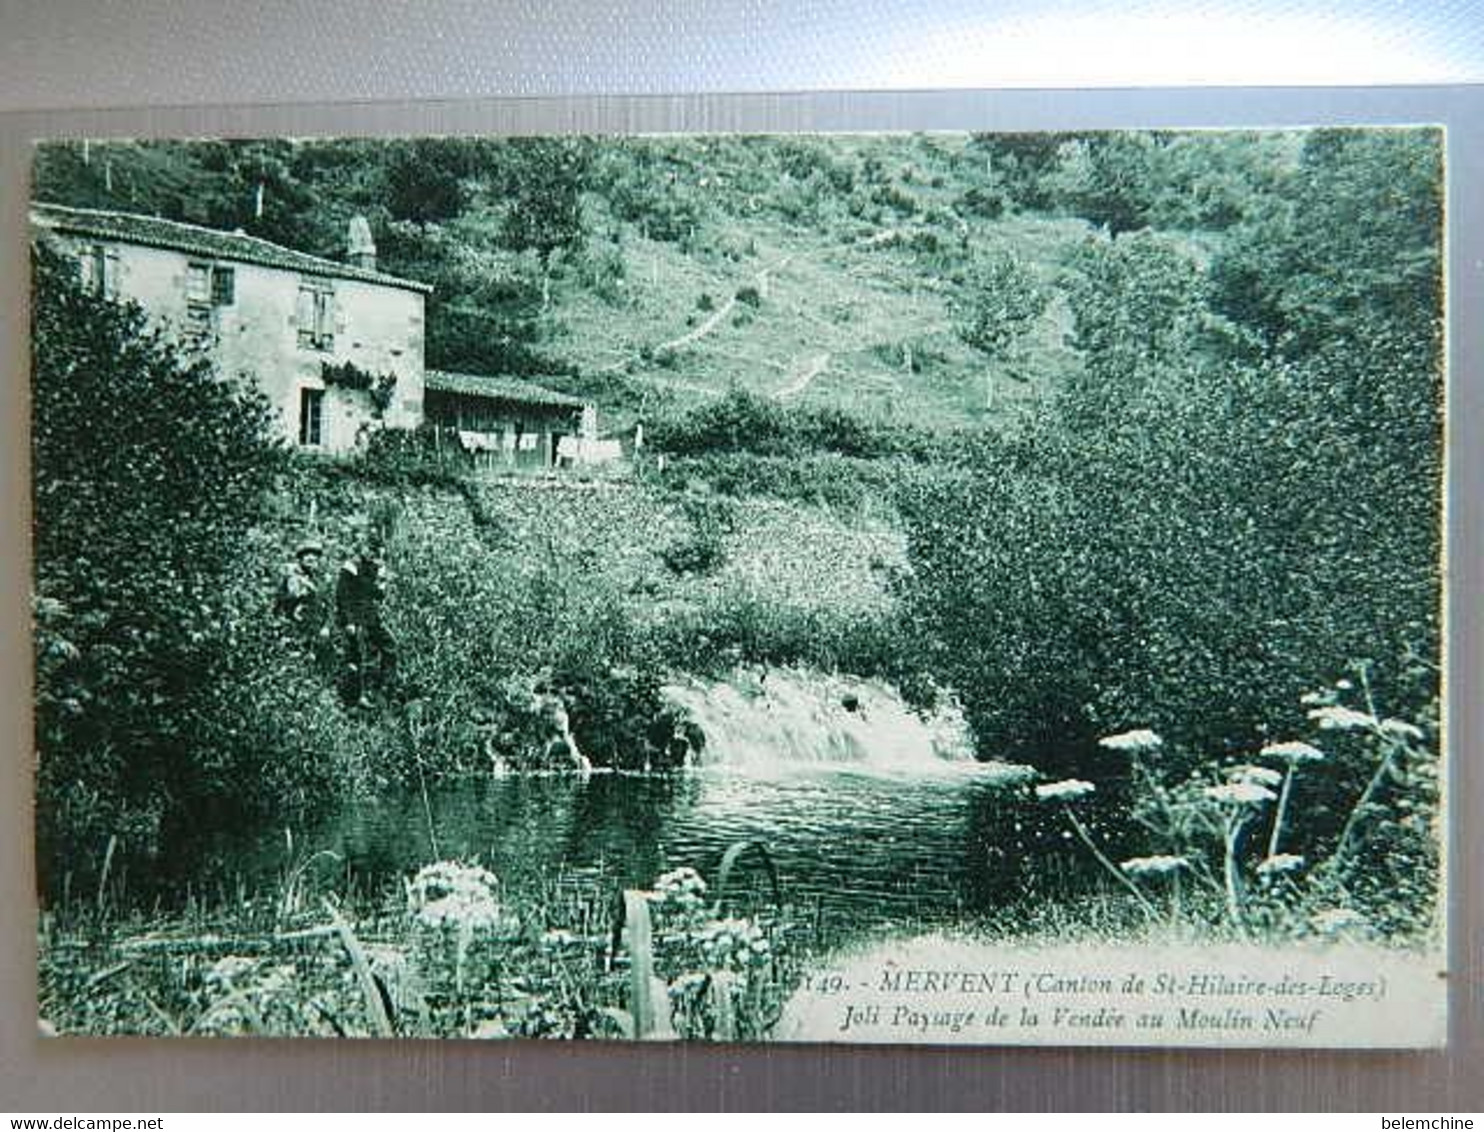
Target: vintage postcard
936 589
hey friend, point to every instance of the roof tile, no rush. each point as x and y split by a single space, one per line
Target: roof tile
498 388
193 239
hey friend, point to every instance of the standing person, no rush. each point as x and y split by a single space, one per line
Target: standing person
300 599
370 653
303 602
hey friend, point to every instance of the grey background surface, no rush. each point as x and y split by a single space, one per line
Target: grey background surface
176 68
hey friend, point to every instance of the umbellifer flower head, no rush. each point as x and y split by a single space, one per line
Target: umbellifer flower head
1262 775
1333 920
680 890
1401 729
685 880
1152 866
1334 717
1280 863
1293 751
1133 741
451 894
1064 791
734 943
1240 793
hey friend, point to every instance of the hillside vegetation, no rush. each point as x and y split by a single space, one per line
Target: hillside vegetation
652 273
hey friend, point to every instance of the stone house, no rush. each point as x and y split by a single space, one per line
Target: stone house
337 348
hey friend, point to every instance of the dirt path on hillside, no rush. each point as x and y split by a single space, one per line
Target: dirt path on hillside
710 323
814 365
716 317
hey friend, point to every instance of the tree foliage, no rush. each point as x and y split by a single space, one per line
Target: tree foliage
1198 534
1001 302
544 179
1138 308
149 475
1349 239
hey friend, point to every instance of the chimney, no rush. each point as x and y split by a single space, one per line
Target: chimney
360 248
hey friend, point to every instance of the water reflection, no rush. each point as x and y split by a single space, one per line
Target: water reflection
856 847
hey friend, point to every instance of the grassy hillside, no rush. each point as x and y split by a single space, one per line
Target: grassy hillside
824 319
815 271
652 273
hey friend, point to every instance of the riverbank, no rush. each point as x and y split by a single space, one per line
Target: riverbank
450 951
512 605
249 942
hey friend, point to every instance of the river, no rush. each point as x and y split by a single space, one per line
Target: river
875 816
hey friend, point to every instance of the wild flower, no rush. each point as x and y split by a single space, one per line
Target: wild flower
681 895
1064 791
1134 742
1240 793
1261 775
1337 717
738 944
1279 864
680 885
1400 729
1153 866
451 894
689 985
1294 751
230 968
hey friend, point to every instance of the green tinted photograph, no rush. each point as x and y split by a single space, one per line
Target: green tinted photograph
939 588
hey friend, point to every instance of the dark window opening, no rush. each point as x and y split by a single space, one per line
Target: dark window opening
223 286
311 417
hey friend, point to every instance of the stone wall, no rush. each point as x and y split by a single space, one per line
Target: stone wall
784 553
779 553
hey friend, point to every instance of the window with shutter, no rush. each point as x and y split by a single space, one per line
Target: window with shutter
198 303
316 316
223 286
111 274
198 283
92 268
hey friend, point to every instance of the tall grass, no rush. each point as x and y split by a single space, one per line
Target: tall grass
455 952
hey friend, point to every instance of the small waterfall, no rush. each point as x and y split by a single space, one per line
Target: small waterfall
757 719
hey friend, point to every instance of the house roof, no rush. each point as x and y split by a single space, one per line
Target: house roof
151 231
510 389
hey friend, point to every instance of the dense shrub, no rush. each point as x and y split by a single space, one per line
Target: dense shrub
1207 552
1224 538
486 631
400 457
746 422
1350 240
150 472
703 549
1201 531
